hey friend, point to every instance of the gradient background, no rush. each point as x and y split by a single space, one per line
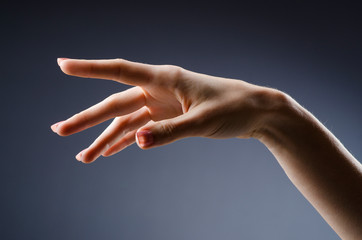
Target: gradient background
194 188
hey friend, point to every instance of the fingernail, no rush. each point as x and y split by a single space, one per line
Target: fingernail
80 155
59 60
144 138
55 126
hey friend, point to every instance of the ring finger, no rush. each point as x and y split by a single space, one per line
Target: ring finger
113 133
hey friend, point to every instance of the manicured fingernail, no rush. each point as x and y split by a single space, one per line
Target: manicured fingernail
144 138
80 155
59 60
55 126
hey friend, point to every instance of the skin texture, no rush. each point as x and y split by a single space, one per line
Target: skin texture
167 103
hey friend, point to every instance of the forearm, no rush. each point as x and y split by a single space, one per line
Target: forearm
182 104
317 163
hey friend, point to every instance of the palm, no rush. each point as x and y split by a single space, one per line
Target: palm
161 103
164 98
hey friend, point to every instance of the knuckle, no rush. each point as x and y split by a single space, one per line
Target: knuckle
170 72
120 64
119 60
169 76
112 103
168 128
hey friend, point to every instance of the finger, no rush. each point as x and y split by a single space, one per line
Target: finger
119 70
166 131
124 142
116 105
114 132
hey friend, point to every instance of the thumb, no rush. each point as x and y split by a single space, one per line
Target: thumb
166 131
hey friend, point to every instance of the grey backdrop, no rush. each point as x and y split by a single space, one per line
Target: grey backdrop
192 189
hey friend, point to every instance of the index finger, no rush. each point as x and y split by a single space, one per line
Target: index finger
120 70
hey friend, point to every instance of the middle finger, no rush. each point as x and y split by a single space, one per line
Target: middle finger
115 105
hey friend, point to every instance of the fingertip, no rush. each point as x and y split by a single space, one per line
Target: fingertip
64 67
90 155
70 66
62 131
88 160
84 156
65 129
60 60
79 156
55 126
144 139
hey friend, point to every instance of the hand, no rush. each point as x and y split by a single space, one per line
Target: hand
166 104
169 103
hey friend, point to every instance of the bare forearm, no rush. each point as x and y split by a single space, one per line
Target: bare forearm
168 103
317 163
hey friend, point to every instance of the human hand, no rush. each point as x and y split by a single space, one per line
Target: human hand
167 103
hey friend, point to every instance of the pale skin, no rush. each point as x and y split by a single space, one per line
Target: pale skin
167 103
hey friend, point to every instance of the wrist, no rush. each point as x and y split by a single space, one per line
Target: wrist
279 115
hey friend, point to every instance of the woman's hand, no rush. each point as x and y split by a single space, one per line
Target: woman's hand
169 103
166 104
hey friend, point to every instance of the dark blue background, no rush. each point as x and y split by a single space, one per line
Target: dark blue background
192 189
